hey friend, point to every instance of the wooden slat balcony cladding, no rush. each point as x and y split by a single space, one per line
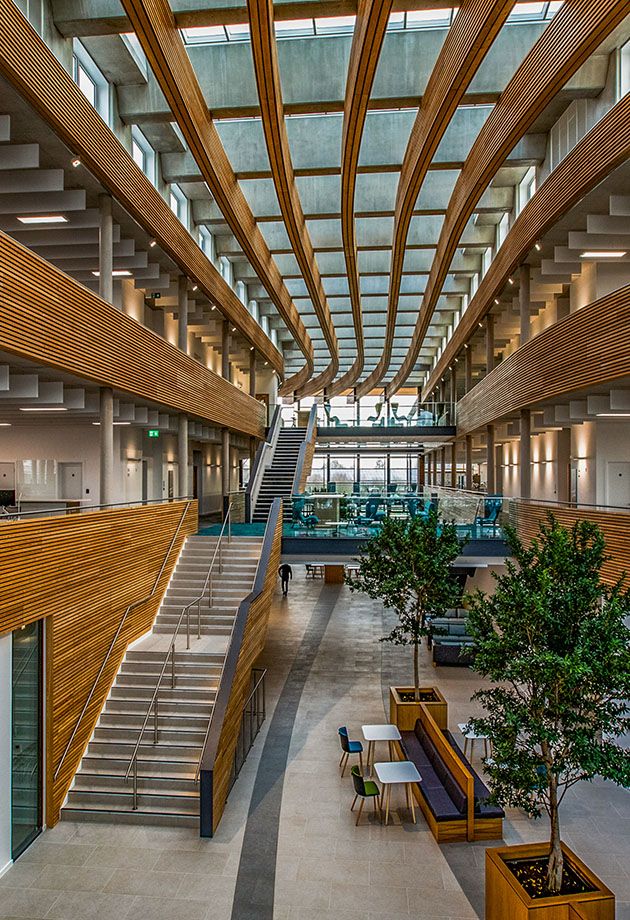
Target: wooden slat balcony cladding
79 573
162 43
27 62
605 147
266 69
469 39
587 348
248 640
51 319
367 41
576 30
526 517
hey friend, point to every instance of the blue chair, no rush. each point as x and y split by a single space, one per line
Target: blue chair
310 521
349 747
364 789
372 514
490 516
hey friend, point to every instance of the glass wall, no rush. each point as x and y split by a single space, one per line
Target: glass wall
26 737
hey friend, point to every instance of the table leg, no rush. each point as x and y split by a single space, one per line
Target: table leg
370 757
465 746
485 743
413 810
388 796
472 749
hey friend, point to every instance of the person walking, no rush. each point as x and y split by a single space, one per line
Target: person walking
285 572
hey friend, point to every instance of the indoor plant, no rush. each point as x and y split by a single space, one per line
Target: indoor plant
407 565
552 638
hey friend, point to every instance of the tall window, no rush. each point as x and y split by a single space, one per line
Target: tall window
206 241
90 80
143 153
179 203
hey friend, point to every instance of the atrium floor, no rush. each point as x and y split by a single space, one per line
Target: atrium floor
287 848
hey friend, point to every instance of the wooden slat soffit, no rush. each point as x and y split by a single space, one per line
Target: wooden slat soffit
570 38
50 318
30 66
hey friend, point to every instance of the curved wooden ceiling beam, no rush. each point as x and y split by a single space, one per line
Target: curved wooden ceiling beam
469 39
155 27
367 42
265 56
570 38
31 67
605 147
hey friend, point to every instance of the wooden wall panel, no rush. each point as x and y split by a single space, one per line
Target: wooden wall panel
526 517
570 38
79 573
586 348
162 43
51 319
247 643
28 63
469 39
605 147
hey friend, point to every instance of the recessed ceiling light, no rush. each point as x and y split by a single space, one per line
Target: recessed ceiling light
43 409
603 254
613 415
44 219
115 423
117 273
5 424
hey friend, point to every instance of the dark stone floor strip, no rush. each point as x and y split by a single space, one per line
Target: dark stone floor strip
255 883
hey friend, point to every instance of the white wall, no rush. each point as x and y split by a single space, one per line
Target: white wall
613 445
5 751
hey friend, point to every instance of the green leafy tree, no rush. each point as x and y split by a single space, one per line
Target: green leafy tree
407 566
552 637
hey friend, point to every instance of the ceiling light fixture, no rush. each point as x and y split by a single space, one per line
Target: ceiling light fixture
5 424
153 243
76 162
496 300
44 219
537 247
613 415
114 423
117 273
511 280
603 254
43 409
233 328
195 286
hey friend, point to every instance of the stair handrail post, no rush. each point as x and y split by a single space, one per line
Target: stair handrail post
134 806
199 619
171 651
112 644
187 630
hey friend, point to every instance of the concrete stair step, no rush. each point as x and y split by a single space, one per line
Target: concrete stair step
113 734
163 751
181 696
167 707
185 803
133 720
144 817
112 783
182 681
103 765
167 629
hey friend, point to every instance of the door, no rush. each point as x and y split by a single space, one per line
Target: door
618 484
7 483
170 482
26 737
133 481
71 481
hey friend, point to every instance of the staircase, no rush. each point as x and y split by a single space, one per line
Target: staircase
167 791
278 478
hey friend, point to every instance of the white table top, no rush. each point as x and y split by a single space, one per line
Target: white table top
397 771
471 735
385 732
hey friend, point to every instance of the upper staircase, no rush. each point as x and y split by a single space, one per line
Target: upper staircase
278 478
167 791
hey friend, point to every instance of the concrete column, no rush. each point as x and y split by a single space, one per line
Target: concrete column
428 468
564 463
523 301
563 306
225 350
421 472
182 310
105 249
453 397
225 461
525 468
491 485
182 456
489 343
498 469
469 368
252 373
107 447
453 464
443 466
469 451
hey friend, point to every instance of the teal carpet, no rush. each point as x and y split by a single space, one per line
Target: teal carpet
238 530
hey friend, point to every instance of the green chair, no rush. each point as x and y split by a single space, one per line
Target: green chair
364 789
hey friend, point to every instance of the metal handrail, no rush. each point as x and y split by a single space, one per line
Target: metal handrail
154 701
24 665
116 635
82 509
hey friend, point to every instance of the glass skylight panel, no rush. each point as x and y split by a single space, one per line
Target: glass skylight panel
528 11
238 31
335 24
201 35
294 27
417 19
396 21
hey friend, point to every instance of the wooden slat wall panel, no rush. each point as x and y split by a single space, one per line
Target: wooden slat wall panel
469 39
526 517
570 38
267 71
28 63
586 348
367 41
51 319
79 573
605 147
251 645
162 43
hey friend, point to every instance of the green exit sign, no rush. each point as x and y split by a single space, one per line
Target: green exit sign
154 432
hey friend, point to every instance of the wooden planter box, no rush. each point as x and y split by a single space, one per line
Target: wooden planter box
404 715
506 897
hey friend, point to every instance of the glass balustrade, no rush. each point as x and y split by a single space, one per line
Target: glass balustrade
424 415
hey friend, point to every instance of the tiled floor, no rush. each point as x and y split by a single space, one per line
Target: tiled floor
291 851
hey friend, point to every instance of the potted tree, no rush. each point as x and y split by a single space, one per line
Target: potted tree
407 565
552 638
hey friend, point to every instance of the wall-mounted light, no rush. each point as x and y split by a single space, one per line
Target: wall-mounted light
76 162
496 300
537 247
510 280
153 243
195 287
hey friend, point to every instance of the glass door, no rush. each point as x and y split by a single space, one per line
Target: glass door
26 728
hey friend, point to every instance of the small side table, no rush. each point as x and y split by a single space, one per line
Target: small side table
374 733
469 739
399 771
